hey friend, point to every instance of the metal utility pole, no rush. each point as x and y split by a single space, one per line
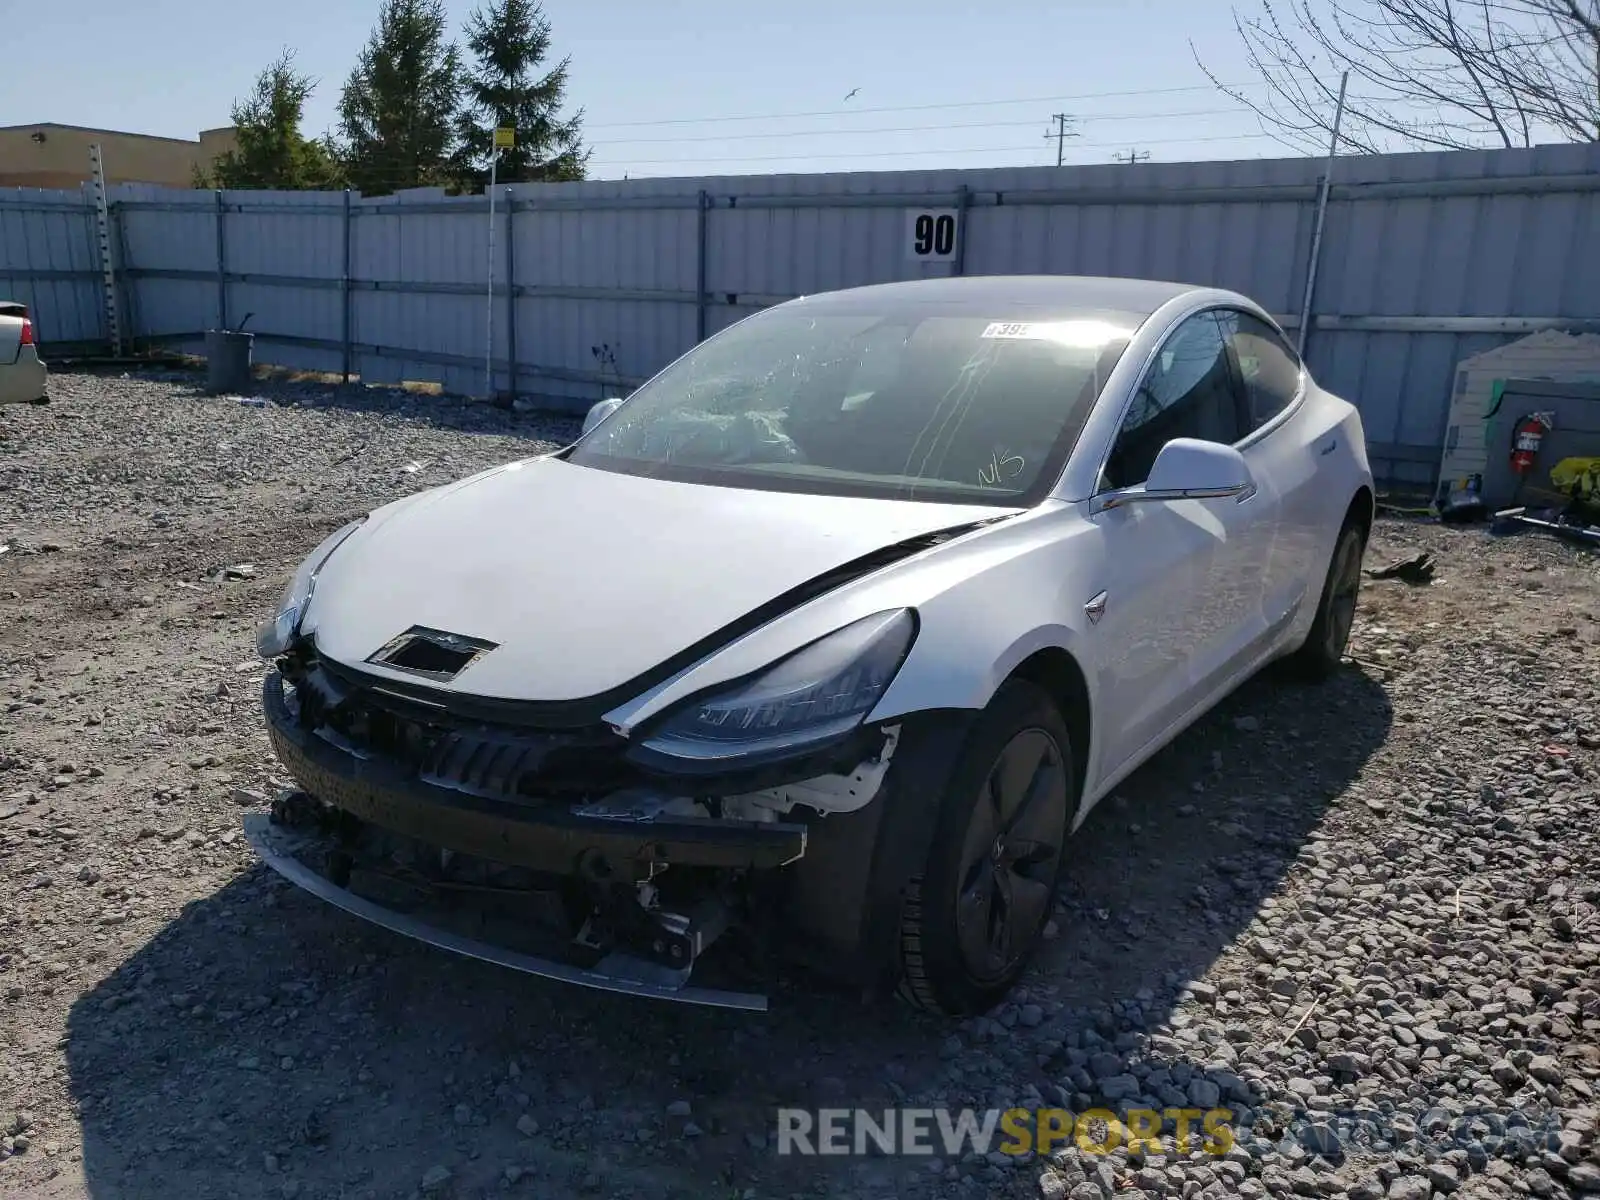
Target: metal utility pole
108 270
1322 214
504 138
488 341
1060 135
1132 156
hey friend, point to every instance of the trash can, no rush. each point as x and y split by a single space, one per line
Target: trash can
228 360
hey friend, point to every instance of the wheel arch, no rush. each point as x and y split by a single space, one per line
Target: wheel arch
1058 673
1363 511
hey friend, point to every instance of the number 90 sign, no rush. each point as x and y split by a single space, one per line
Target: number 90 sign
931 234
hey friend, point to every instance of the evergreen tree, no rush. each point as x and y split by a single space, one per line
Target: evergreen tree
510 40
270 151
398 110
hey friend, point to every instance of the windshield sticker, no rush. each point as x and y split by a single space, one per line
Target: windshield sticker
1011 329
1085 334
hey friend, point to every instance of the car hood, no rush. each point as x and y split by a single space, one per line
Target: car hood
590 581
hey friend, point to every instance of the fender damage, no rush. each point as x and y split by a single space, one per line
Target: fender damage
546 846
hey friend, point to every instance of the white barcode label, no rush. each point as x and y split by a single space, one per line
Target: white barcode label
1012 329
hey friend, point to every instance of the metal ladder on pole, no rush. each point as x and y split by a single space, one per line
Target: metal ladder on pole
108 270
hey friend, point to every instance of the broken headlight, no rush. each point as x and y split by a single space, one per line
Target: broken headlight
275 636
818 693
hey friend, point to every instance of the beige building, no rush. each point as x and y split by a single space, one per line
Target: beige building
57 156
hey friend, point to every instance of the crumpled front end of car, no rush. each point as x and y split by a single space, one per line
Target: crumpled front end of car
554 847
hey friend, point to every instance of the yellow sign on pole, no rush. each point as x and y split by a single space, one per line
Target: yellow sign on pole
505 137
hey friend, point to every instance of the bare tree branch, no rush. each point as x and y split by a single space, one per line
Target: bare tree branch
1424 74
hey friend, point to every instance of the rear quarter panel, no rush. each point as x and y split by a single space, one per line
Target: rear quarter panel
24 379
11 318
1341 475
1347 469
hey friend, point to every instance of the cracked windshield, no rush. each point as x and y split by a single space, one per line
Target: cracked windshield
906 406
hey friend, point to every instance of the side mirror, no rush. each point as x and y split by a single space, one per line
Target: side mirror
1188 469
600 412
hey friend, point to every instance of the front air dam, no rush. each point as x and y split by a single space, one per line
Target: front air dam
280 847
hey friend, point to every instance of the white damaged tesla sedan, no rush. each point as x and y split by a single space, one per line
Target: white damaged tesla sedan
825 641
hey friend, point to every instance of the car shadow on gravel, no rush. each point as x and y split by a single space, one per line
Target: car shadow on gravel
1169 869
265 1044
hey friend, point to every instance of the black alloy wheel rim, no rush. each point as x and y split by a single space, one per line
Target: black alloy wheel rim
1011 853
1342 597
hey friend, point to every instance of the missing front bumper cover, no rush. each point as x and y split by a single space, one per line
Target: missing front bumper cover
287 850
549 837
596 846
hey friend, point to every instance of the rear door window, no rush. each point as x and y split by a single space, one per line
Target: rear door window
1268 366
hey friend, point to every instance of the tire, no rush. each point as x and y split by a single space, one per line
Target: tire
1323 650
972 920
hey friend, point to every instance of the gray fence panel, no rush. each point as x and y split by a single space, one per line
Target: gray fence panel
756 252
171 241
578 343
49 261
270 236
436 248
1445 256
1258 248
385 249
376 242
613 279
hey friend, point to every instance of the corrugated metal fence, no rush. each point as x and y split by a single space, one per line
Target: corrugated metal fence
1426 258
48 260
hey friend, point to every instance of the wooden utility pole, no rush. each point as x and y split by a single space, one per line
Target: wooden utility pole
1132 156
1060 135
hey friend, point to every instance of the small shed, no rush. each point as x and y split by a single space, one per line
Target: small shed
1544 372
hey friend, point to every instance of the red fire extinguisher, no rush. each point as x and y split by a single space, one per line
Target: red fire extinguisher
1526 438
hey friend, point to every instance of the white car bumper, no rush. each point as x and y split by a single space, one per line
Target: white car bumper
25 380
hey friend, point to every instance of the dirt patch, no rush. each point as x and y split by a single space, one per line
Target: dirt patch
1381 891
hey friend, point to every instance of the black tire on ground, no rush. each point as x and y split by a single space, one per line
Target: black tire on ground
973 918
1324 646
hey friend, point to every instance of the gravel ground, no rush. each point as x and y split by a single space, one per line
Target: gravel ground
1383 893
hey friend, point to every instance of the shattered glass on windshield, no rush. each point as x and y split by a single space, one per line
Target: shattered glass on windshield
904 406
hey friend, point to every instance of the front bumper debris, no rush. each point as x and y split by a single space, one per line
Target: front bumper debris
630 843
286 851
514 847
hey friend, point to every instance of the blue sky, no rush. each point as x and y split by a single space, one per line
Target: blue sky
661 83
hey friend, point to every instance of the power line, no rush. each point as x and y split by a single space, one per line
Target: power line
1178 141
786 133
1132 156
834 112
689 162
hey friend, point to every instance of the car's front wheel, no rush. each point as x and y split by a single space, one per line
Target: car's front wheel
974 917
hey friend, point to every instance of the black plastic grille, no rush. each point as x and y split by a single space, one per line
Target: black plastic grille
523 764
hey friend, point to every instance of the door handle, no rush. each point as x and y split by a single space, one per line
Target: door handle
1328 447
